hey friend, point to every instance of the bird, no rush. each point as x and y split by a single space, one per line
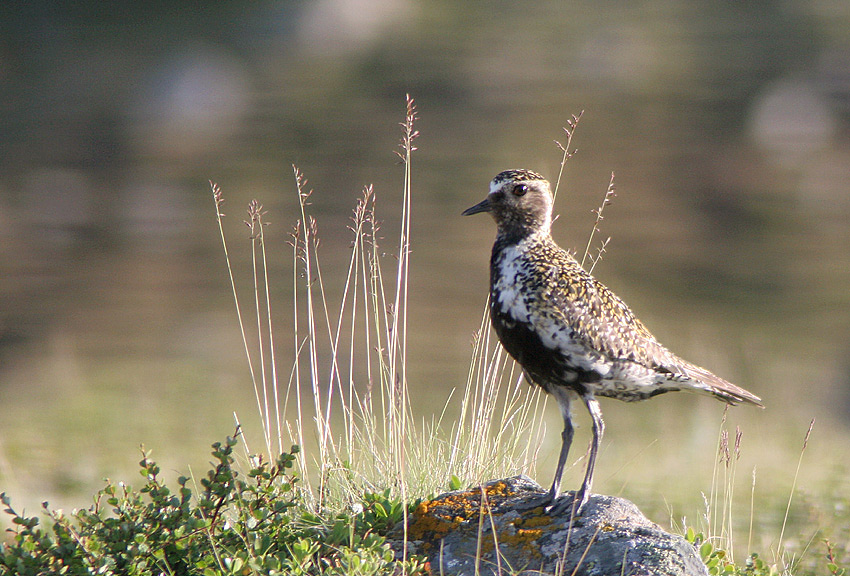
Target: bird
572 336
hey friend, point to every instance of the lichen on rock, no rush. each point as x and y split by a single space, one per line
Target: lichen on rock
490 530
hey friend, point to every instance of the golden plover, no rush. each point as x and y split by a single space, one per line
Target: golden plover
572 336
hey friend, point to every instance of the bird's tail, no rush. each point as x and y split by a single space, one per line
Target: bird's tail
720 388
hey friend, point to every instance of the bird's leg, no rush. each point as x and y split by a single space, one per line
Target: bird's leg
598 428
566 442
576 503
563 396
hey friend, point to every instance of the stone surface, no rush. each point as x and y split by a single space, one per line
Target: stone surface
461 536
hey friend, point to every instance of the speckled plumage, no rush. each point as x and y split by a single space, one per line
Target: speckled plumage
573 336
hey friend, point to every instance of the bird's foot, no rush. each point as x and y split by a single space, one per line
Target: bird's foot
541 501
572 502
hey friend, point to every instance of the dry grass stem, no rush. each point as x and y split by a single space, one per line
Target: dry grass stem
609 197
566 148
794 486
218 200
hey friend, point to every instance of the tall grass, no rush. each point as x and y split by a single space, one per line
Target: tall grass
346 400
722 512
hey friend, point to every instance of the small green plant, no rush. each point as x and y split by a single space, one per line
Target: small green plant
831 561
234 524
719 563
232 521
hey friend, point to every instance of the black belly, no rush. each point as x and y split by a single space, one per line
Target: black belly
545 366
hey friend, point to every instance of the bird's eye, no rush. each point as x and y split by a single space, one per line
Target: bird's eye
520 190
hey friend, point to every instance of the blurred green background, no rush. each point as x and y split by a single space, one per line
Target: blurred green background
727 125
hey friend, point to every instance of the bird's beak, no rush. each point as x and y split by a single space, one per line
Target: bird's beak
483 206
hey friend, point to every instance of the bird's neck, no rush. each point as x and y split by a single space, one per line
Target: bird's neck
515 226
511 236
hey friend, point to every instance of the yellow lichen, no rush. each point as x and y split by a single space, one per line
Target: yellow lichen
522 538
498 489
535 521
529 535
433 519
438 525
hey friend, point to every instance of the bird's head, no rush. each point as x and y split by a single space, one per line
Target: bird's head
520 202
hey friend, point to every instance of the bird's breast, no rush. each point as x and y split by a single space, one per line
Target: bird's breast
526 314
509 288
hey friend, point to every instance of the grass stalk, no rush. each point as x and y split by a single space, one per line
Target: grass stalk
752 513
794 486
566 148
255 223
299 343
711 503
308 242
609 197
218 200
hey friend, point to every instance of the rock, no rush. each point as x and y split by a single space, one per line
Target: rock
611 537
